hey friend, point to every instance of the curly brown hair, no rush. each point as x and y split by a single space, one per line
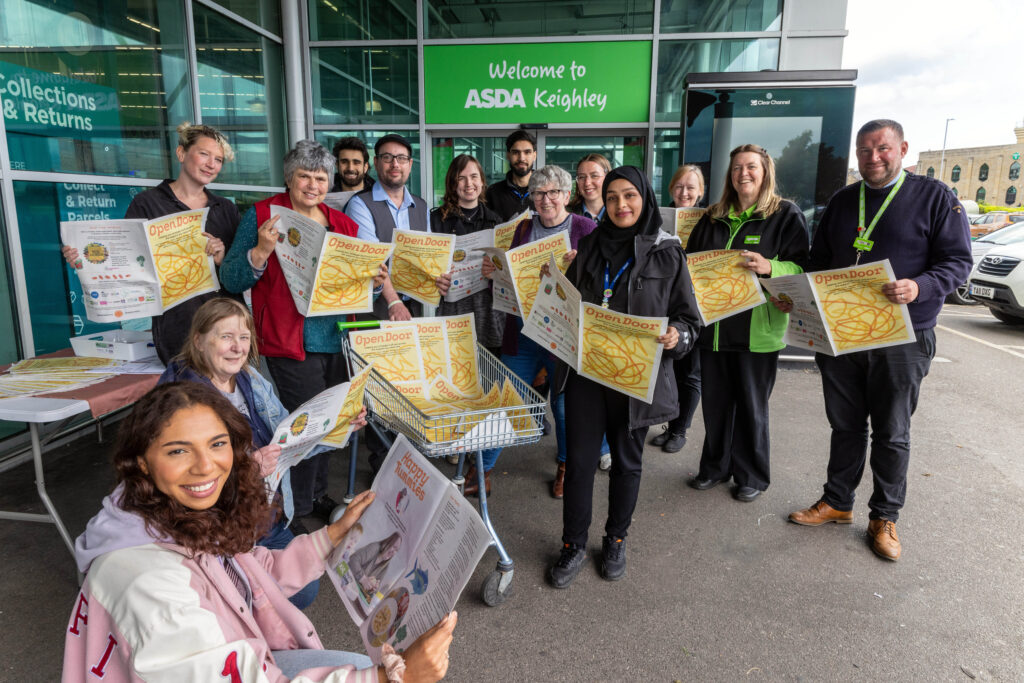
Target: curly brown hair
239 517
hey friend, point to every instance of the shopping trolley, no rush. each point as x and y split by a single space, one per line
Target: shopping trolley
459 433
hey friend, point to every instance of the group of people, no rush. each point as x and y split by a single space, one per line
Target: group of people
188 565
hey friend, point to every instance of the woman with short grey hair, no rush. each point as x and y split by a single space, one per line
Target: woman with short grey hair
307 155
549 190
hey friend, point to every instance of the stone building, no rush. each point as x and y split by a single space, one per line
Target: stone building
984 174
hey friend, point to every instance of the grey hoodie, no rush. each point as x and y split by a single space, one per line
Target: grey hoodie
112 528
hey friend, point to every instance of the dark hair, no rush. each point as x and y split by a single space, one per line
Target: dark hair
879 124
576 202
351 142
239 517
768 199
518 136
450 204
392 137
208 315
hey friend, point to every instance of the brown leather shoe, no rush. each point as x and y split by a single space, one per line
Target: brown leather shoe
821 513
558 485
884 540
472 486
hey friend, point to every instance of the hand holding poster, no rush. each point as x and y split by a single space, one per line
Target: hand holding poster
418 259
327 273
132 269
844 310
402 567
504 232
524 266
680 222
554 320
723 287
620 351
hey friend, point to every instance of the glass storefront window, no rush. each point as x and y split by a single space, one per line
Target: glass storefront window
8 330
56 309
489 151
243 199
566 151
362 20
264 13
705 16
376 85
461 19
241 93
668 155
327 138
99 93
677 58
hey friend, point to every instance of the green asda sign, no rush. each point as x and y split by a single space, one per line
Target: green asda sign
537 83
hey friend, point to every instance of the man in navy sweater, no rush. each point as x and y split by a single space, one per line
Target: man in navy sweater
919 225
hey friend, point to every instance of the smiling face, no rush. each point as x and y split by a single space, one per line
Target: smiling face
686 191
589 178
469 185
880 156
623 203
307 188
202 161
521 157
352 168
191 458
747 176
550 203
392 172
225 348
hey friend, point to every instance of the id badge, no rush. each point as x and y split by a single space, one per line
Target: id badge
862 244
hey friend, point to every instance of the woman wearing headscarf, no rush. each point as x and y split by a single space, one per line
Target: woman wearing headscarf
739 355
634 267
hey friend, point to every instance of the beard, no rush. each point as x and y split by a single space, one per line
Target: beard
521 172
352 178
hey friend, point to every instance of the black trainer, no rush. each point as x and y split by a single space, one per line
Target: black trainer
568 565
660 439
613 558
323 507
675 443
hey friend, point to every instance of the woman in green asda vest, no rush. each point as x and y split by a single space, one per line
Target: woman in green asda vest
739 354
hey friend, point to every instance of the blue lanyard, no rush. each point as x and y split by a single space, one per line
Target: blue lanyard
607 293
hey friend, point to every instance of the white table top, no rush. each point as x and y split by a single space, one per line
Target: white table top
40 409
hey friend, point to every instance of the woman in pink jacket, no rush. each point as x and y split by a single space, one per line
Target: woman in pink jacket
175 587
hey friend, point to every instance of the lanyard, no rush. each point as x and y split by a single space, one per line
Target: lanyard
607 293
863 241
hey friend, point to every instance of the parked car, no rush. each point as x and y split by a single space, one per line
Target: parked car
1011 234
992 221
997 281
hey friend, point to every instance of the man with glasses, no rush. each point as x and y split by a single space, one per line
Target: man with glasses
386 207
510 197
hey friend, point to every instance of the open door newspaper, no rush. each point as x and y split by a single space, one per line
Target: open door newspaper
133 268
402 567
721 285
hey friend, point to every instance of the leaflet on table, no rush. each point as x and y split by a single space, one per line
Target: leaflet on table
503 289
395 352
524 266
418 259
554 320
339 200
620 351
680 222
504 232
433 343
848 305
467 265
723 287
402 567
132 269
327 273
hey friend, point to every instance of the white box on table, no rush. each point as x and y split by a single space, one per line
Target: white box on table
118 344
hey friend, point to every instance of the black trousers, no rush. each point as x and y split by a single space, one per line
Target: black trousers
591 412
882 385
298 381
687 371
736 388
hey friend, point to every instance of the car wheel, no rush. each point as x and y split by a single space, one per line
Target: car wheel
1007 318
962 296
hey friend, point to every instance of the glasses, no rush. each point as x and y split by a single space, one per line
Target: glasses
400 159
593 176
549 194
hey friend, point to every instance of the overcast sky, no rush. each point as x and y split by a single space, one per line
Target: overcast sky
923 61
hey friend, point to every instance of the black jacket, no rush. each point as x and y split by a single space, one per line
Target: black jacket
506 199
783 237
658 285
368 183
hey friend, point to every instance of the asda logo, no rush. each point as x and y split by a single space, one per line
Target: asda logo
495 98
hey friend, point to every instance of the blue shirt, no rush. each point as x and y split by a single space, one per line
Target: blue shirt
358 211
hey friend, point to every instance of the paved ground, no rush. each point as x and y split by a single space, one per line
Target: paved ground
715 589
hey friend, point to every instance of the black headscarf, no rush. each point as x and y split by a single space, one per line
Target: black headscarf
615 243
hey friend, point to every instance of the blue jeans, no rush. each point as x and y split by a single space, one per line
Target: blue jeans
291 662
276 539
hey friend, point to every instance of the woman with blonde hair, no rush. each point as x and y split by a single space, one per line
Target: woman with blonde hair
739 355
587 200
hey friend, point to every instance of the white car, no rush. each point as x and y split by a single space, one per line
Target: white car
1011 234
997 281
